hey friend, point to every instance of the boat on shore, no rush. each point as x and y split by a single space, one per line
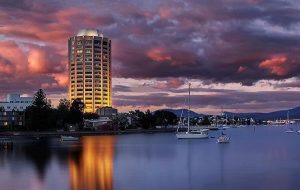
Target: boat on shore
69 138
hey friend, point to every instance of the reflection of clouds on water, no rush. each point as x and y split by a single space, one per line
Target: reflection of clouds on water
144 146
266 159
93 168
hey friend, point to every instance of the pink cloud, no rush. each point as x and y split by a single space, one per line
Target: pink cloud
5 69
242 69
171 83
165 13
10 54
38 61
61 79
159 55
276 65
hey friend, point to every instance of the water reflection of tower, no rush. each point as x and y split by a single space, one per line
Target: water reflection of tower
94 167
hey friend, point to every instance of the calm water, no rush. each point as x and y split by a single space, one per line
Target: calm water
257 158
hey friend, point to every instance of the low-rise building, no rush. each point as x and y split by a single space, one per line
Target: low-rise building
12 110
15 102
11 118
103 123
107 112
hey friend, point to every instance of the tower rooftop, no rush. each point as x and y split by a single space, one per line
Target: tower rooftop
89 32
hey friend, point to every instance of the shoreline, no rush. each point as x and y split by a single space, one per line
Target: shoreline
34 134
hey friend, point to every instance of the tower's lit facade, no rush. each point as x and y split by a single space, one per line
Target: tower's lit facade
90 69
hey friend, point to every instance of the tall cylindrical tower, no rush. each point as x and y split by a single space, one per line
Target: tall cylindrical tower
90 69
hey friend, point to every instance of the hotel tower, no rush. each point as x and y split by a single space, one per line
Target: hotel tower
90 69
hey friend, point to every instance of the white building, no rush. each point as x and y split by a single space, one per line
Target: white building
16 102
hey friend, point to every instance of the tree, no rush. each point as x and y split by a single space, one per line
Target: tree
76 112
136 118
205 121
40 100
121 121
39 115
64 105
90 116
164 118
148 120
141 119
62 113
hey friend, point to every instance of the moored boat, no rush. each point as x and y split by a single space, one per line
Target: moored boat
223 139
191 134
69 138
290 131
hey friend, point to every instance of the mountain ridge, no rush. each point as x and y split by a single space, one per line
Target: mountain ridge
294 113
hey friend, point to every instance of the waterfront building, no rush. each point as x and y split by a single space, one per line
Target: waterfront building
16 102
107 112
12 110
11 118
90 69
103 123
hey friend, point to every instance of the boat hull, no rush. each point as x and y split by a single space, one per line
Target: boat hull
191 136
223 139
69 138
290 131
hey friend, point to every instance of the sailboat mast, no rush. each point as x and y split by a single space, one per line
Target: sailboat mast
189 106
288 118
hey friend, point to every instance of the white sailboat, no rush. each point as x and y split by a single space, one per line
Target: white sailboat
191 134
290 130
223 139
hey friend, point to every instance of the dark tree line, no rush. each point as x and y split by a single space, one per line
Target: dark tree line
148 120
40 115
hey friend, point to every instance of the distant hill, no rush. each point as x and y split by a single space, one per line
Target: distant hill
184 112
281 114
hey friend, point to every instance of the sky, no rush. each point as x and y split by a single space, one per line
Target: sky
238 55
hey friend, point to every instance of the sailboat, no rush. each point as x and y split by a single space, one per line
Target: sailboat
191 134
291 130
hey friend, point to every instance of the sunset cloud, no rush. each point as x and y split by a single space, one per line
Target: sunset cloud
277 65
159 55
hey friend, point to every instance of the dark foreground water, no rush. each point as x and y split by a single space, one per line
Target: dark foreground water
258 158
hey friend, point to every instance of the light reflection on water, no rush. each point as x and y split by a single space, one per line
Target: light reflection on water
257 158
94 167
